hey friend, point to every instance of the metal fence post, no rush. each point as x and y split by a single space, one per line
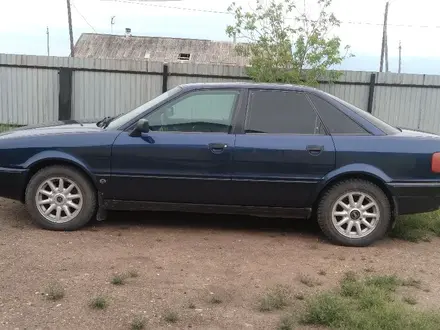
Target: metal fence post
371 93
65 94
165 78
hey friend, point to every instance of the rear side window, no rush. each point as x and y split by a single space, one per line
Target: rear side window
335 120
281 112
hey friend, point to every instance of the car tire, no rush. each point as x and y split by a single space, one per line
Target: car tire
350 221
60 205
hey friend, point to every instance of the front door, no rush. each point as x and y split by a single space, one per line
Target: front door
283 152
186 156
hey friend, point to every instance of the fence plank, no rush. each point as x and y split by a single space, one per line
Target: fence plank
30 89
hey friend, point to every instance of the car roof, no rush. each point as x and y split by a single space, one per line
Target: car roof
249 85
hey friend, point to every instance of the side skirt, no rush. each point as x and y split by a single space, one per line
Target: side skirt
282 212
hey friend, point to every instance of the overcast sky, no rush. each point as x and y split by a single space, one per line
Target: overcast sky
23 24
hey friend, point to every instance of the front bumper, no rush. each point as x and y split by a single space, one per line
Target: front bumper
12 183
417 197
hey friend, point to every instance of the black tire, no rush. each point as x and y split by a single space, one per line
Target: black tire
88 201
331 196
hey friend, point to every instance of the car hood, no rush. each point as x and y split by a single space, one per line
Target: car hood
53 128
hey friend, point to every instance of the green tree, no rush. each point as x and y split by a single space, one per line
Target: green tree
285 45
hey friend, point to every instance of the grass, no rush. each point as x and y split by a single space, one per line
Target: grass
138 323
367 304
287 323
410 300
99 302
299 296
7 127
133 273
118 279
413 283
388 283
417 227
276 298
171 317
308 281
215 300
55 291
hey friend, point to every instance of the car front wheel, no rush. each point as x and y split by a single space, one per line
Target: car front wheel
60 198
354 213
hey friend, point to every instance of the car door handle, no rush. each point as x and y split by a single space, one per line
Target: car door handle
315 150
217 148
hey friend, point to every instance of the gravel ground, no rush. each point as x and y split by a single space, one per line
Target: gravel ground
181 260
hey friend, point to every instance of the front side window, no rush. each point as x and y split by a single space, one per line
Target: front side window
281 112
201 111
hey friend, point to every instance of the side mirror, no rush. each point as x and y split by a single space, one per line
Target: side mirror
142 126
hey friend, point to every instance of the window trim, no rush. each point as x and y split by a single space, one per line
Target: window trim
235 110
247 111
328 130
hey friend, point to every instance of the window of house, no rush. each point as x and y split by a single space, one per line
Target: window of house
184 56
202 111
281 112
335 120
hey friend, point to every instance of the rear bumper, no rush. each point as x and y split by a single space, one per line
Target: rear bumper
417 197
12 183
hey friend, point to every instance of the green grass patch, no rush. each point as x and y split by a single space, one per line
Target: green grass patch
171 317
7 127
138 323
118 279
54 291
215 300
417 227
287 323
410 300
99 302
413 283
367 304
276 298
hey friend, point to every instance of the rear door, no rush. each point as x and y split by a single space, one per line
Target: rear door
186 156
283 151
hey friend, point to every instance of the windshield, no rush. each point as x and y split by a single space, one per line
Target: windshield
383 126
127 117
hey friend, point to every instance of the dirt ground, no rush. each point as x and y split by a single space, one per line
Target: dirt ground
181 260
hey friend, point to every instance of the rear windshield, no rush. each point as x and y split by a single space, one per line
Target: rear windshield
383 126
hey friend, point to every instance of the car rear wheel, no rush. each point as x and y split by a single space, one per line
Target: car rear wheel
60 198
354 213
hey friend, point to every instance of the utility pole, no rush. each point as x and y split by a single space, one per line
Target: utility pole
384 36
69 17
387 69
48 41
400 56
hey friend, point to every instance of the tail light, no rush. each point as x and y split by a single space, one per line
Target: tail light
435 162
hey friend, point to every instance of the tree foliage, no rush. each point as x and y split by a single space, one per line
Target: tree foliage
285 45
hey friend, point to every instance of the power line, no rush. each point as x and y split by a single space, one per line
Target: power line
228 13
85 20
170 7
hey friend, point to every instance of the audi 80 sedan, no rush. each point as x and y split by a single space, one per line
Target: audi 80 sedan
232 148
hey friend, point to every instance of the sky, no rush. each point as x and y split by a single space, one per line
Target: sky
23 25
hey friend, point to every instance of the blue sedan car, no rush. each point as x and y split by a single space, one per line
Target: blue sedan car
235 148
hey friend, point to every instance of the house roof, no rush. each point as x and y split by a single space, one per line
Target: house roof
106 46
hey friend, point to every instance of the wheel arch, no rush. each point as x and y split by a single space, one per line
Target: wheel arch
42 161
378 180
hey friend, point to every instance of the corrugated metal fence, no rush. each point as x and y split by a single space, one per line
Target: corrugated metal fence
36 89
